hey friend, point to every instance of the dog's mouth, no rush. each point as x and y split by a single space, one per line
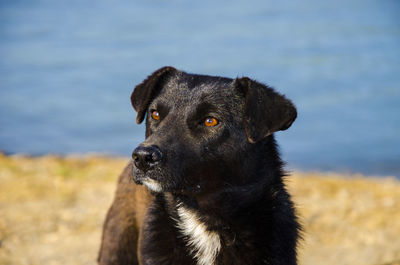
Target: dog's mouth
148 179
155 180
150 183
158 181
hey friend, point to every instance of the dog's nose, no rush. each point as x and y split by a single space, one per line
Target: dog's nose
146 157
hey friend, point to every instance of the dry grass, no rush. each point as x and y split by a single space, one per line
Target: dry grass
52 209
348 220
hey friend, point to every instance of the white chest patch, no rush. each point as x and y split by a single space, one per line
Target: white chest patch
205 245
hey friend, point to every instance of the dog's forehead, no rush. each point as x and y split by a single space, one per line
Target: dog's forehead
186 89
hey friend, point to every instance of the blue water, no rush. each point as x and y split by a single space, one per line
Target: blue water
67 69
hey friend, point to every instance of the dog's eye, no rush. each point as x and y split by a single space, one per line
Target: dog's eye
210 122
155 115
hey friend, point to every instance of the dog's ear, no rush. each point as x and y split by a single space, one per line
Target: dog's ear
145 92
265 111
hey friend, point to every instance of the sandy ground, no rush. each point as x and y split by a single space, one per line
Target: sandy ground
52 210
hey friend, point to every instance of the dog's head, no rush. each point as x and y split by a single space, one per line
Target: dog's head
201 131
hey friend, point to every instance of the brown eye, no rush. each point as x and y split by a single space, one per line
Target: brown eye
155 115
210 122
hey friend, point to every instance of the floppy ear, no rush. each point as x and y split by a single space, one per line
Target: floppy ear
265 111
144 93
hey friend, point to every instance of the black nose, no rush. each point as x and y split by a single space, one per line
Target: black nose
146 157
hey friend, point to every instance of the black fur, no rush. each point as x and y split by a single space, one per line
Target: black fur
230 175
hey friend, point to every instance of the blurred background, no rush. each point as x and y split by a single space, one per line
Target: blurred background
67 69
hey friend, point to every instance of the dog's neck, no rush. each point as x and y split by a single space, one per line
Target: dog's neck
205 224
202 239
204 244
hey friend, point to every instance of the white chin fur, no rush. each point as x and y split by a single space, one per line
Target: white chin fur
152 185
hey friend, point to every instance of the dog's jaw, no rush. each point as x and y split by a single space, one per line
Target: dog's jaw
205 244
152 185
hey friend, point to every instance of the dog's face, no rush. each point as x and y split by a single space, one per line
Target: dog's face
200 130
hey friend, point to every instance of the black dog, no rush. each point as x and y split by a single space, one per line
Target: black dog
213 170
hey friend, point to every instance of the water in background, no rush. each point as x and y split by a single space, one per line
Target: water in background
67 69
